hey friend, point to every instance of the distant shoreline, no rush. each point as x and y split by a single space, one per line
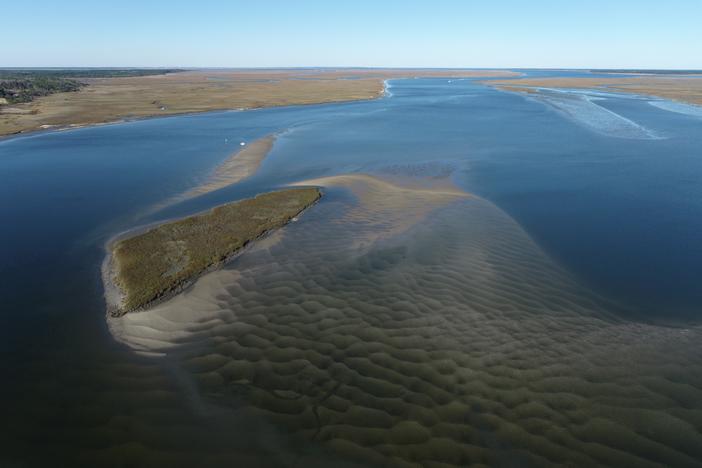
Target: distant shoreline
116 100
685 89
69 127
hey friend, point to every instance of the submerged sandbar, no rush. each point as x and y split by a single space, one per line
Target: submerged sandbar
687 89
239 166
151 266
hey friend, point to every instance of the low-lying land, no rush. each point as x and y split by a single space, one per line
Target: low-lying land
151 266
110 99
17 90
677 88
24 85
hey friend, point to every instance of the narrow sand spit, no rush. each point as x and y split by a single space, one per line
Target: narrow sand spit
404 327
240 165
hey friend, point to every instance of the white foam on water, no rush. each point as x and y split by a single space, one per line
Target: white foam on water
386 88
678 107
583 109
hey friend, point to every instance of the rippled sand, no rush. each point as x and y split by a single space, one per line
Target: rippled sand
400 326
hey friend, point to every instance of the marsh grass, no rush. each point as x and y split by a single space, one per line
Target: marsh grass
129 97
160 261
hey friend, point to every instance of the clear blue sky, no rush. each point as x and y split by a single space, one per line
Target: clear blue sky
437 33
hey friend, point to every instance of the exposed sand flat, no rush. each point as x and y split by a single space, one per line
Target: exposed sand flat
390 207
241 165
114 99
677 88
451 341
237 167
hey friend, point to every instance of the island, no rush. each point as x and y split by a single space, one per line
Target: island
149 267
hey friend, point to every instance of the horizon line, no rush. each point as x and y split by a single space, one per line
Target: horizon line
323 67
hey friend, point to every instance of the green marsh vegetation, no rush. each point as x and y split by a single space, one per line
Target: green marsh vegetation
154 264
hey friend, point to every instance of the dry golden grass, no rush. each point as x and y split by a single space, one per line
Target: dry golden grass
154 264
677 88
114 99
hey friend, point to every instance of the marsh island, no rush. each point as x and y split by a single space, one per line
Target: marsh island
151 266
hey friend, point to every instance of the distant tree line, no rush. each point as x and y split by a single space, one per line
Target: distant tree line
23 85
25 90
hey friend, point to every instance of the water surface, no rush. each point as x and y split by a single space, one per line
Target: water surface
549 318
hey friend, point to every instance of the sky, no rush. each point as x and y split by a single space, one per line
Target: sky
276 33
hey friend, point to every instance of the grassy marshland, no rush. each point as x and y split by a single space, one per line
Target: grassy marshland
113 97
154 264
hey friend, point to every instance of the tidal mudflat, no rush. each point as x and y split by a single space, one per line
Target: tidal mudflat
487 280
399 326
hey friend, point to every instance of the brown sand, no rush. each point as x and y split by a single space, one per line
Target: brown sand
114 99
389 207
239 166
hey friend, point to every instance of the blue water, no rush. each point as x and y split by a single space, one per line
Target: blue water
622 213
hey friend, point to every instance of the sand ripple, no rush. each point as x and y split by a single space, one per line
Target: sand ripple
412 326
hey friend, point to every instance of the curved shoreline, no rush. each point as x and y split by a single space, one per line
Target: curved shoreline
81 126
290 94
